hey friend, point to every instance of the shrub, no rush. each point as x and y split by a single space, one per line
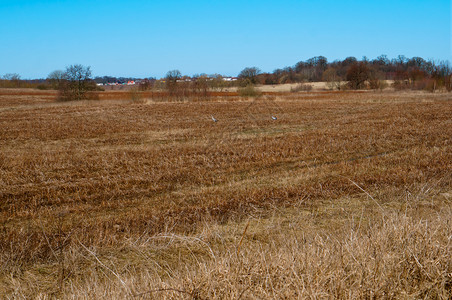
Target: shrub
377 84
92 95
248 91
302 87
43 86
426 84
448 83
333 81
135 95
400 85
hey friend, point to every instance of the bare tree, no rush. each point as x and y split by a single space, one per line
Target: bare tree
200 85
171 79
11 76
357 75
333 81
77 83
248 76
316 66
217 82
56 78
12 79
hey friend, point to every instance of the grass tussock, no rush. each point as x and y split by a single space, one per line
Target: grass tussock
291 253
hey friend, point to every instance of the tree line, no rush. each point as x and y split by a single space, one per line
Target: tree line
351 73
76 81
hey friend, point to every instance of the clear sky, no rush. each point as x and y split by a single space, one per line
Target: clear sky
148 38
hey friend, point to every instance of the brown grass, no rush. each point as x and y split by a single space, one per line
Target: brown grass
122 197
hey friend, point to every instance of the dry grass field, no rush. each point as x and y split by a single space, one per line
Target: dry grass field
345 195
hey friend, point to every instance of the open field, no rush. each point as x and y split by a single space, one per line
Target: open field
346 194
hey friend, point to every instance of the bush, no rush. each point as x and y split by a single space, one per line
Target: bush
425 84
377 84
43 87
332 79
248 91
400 85
302 87
448 83
92 96
135 95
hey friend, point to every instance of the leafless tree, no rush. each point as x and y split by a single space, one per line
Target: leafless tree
171 83
56 78
12 80
357 75
77 83
248 76
333 81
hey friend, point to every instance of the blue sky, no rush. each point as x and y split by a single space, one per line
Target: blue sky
148 38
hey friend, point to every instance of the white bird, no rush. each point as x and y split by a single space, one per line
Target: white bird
213 119
274 118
